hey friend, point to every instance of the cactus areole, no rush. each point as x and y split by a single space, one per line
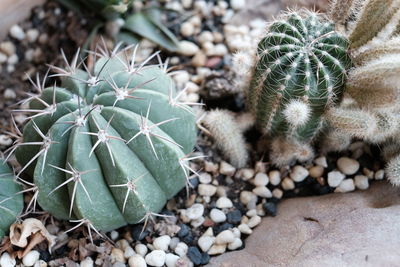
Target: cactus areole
299 71
109 146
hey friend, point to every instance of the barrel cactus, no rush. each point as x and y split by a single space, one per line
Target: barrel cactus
109 146
11 203
299 70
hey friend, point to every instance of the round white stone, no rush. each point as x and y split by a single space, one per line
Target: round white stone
335 178
217 249
205 242
245 229
187 29
379 175
224 203
129 252
207 190
361 182
345 186
217 216
155 258
195 211
87 262
347 165
17 32
225 237
261 179
277 193
187 48
246 197
321 161
237 243
171 259
262 191
316 171
162 242
32 35
298 173
6 260
141 249
205 178
254 221
31 258
274 177
238 4
137 261
226 169
181 249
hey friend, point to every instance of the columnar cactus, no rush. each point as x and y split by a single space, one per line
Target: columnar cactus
11 203
109 146
299 71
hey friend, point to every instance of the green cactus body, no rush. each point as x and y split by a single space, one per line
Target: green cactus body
110 144
11 203
300 59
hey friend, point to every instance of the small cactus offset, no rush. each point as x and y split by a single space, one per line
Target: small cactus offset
11 203
299 72
110 145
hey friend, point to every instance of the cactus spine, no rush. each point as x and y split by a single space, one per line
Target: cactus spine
110 145
11 203
299 71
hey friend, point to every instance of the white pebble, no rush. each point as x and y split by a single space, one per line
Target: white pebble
345 186
87 262
205 178
5 140
274 177
217 216
31 258
155 258
13 59
361 182
181 249
277 193
6 260
245 229
114 235
205 36
335 178
262 191
141 249
186 3
137 261
254 221
219 50
379 175
117 255
187 29
225 237
181 78
171 259
224 203
217 249
288 184
226 169
198 222
129 252
207 190
205 242
42 263
261 179
238 4
17 32
195 211
321 161
298 173
162 242
347 165
187 48
3 58
245 174
237 243
8 48
32 35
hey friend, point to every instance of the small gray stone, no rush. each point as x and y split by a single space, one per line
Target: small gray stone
298 173
335 178
361 182
347 165
345 186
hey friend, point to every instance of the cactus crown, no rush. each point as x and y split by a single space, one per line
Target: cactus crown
11 204
107 147
299 71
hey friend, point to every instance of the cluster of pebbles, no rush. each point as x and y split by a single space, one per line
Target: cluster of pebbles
224 204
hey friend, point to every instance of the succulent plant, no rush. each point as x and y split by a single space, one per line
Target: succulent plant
121 20
299 72
110 145
11 203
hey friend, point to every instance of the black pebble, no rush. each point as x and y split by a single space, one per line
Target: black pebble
194 255
184 230
219 228
205 258
188 239
137 233
194 182
45 255
270 208
234 217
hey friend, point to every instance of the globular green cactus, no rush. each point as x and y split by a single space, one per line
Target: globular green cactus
299 72
11 203
109 146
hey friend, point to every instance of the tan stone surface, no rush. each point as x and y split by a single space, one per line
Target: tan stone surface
353 229
14 11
